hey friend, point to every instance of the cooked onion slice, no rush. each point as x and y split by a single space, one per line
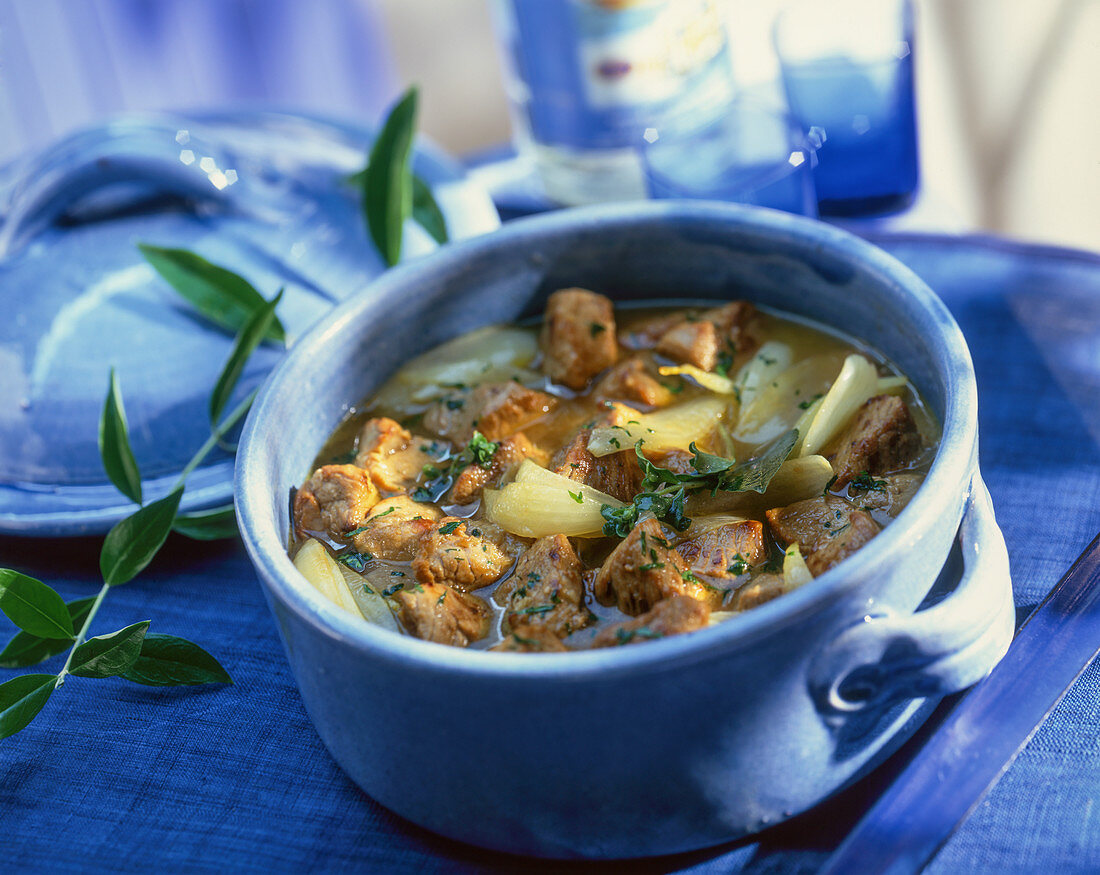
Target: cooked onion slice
857 381
672 428
539 502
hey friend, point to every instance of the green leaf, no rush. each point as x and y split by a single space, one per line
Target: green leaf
222 296
426 211
755 474
34 607
168 661
208 525
21 699
114 444
249 337
387 187
133 542
706 463
108 655
25 649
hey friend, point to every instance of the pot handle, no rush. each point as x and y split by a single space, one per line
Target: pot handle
931 653
149 152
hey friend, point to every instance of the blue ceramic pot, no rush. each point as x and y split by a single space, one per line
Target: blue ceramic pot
684 742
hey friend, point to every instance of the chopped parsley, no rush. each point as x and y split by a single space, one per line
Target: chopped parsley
354 561
663 492
481 449
454 403
447 528
390 590
576 496
725 362
809 402
369 521
535 609
865 481
595 329
738 566
625 636
649 566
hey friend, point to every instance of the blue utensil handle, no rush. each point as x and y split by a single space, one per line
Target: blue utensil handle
931 653
145 152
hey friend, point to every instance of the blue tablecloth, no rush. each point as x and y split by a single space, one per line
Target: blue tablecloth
130 778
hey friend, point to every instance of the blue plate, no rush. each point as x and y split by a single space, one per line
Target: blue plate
261 193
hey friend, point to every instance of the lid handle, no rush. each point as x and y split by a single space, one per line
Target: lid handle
155 153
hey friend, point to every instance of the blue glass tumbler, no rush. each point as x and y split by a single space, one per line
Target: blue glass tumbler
751 155
848 75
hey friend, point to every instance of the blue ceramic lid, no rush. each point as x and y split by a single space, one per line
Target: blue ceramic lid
261 193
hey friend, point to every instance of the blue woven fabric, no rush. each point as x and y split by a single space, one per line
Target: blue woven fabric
129 778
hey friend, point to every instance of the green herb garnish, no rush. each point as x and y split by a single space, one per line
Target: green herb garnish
576 496
865 481
663 491
355 561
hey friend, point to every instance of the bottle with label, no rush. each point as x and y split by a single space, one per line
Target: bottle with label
589 80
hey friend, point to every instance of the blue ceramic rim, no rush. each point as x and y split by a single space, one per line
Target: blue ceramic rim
949 474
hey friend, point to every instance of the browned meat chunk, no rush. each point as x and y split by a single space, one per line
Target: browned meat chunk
497 410
809 523
334 500
394 528
734 324
455 552
546 590
441 614
696 343
672 616
860 529
393 457
826 530
630 381
619 475
531 639
578 337
644 335
760 589
509 453
676 461
725 551
881 437
888 494
642 571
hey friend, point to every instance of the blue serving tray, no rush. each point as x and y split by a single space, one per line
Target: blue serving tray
262 193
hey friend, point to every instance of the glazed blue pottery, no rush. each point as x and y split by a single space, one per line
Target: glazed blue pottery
263 193
684 742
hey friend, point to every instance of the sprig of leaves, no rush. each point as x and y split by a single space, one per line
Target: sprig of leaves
663 492
48 626
441 476
391 192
